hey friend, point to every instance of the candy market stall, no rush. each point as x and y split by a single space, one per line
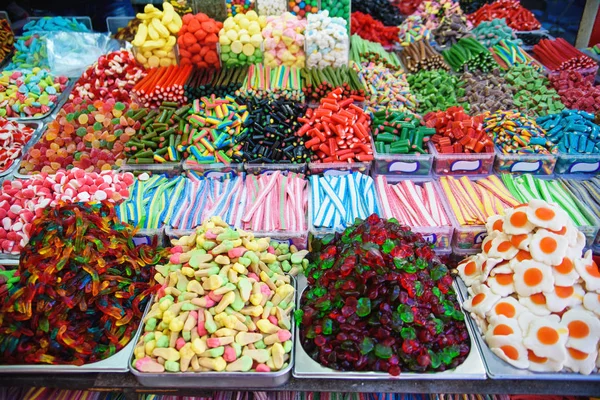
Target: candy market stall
301 197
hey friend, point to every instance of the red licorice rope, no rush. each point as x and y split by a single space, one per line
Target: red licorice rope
162 84
560 55
517 16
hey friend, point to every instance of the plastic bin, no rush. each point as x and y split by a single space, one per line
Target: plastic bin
536 164
113 24
215 170
467 237
170 168
87 21
401 164
461 163
439 236
577 164
257 169
339 168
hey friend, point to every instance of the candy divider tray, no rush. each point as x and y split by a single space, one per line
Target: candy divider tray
499 369
306 367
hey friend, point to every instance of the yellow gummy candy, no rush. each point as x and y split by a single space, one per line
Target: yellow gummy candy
236 47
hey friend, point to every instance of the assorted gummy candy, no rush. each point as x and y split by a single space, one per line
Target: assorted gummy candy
82 290
380 300
88 136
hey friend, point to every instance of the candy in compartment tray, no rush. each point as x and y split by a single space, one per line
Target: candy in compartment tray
306 367
500 369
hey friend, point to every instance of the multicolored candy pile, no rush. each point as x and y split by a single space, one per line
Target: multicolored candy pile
91 137
218 308
82 290
29 93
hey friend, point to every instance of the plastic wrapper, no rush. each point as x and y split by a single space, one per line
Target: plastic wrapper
70 53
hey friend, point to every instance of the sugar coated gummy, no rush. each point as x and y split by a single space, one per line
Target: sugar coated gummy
88 136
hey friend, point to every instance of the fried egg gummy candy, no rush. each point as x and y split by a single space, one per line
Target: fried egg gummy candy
535 298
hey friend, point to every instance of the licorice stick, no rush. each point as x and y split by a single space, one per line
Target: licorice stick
412 204
274 82
162 84
276 202
468 52
159 138
420 55
560 55
269 133
319 83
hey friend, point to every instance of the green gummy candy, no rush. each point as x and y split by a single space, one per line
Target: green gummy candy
163 341
172 366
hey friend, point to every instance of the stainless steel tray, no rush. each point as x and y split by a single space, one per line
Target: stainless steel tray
222 380
37 134
116 363
306 367
499 369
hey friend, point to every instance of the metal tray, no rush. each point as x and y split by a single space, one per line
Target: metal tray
306 367
115 363
38 127
497 368
62 98
221 380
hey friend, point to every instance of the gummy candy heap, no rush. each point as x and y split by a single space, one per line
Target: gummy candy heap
380 300
88 136
82 290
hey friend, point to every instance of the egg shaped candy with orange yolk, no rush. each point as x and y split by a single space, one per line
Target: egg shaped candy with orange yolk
486 245
510 349
501 284
502 267
563 297
495 223
470 269
490 265
502 247
589 272
548 247
516 221
591 301
583 362
532 277
507 307
481 300
536 303
576 248
542 364
547 337
522 241
546 215
584 329
564 273
502 326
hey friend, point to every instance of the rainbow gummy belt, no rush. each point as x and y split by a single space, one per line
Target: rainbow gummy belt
83 288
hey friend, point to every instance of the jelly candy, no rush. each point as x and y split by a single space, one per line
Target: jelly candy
380 300
82 289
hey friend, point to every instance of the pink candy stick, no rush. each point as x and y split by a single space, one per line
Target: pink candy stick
380 183
261 197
